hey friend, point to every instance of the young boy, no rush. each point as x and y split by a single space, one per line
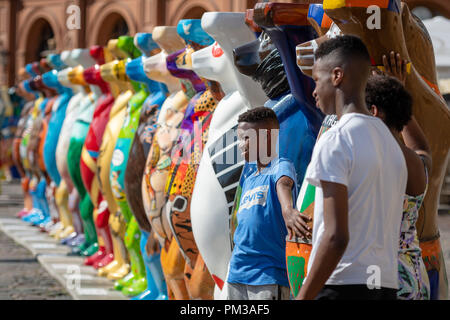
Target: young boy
257 267
360 174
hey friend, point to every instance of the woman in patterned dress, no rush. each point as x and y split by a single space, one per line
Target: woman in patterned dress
387 99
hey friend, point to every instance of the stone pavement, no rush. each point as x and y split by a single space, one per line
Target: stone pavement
33 265
22 277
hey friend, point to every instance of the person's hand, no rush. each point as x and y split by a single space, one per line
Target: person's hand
296 224
395 66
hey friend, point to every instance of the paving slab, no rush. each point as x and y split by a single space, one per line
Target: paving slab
9 220
80 281
24 233
88 280
98 294
10 227
61 259
63 267
33 238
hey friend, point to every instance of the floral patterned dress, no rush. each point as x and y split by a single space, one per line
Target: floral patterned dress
412 275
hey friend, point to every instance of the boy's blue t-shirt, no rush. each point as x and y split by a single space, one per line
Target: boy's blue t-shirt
258 257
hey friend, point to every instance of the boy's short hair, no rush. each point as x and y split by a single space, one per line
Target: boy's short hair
347 46
259 114
389 95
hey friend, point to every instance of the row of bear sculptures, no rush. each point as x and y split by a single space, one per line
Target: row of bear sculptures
128 152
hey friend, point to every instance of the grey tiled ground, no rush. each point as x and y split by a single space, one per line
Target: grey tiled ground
33 265
21 275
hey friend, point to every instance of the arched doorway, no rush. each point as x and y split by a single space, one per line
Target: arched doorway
113 26
194 13
40 41
251 3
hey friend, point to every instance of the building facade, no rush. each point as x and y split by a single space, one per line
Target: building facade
30 28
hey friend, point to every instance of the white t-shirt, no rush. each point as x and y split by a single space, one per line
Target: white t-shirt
361 153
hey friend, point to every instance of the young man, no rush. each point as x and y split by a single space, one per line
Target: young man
257 267
360 174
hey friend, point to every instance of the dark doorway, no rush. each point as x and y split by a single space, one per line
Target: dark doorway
194 13
40 41
113 27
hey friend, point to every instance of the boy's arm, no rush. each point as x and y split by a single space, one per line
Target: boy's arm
334 240
294 220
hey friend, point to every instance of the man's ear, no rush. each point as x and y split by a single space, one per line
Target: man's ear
377 112
337 74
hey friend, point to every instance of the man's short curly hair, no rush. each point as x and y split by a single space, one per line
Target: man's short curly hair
389 95
259 114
